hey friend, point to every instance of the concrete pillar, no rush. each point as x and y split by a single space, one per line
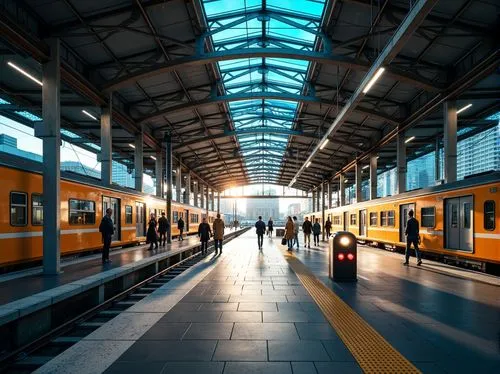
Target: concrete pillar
437 163
218 201
401 164
212 199
329 192
450 141
178 182
106 144
373 177
358 179
188 189
322 210
202 196
139 160
342 190
51 168
195 192
168 178
159 174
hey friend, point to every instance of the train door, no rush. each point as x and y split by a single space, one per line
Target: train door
140 219
362 222
186 214
459 223
114 204
403 219
346 221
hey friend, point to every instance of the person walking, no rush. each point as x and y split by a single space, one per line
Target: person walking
289 233
307 229
316 231
296 231
270 227
328 227
204 233
163 226
107 229
412 234
180 226
152 235
219 227
260 227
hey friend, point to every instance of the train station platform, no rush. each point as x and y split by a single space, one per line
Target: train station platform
251 311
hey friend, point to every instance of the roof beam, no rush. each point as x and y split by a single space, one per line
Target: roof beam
414 18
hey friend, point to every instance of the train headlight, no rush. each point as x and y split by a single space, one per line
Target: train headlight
345 241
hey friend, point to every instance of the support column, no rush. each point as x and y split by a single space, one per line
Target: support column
437 163
139 160
51 168
313 201
195 192
450 141
212 199
159 174
106 144
329 192
188 189
401 164
373 177
323 211
358 179
342 190
178 182
218 201
202 196
168 177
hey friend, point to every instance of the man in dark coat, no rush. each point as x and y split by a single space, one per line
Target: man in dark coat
270 227
180 226
307 229
260 227
151 235
328 227
163 226
204 233
106 228
412 232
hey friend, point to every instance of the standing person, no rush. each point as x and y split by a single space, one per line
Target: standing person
151 235
412 232
204 233
218 233
289 232
180 226
107 229
296 231
316 231
307 229
163 226
260 227
270 227
328 227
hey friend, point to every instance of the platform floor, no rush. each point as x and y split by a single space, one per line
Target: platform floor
247 312
31 281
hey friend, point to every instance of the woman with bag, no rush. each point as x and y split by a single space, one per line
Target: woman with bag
289 232
152 235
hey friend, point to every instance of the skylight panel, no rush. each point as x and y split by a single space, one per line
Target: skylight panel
3 102
69 134
29 116
312 8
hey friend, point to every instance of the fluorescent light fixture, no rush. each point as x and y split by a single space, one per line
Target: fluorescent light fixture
89 115
308 164
131 145
324 144
366 167
372 81
409 139
464 108
152 157
24 72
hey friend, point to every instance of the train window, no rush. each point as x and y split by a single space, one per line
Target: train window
428 217
467 211
18 208
390 218
383 218
81 212
353 219
194 218
36 210
373 219
128 214
336 220
454 215
489 215
175 216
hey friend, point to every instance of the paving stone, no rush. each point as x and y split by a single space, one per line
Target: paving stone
241 317
264 331
257 307
193 368
315 331
301 350
170 350
219 307
241 350
303 368
338 367
209 331
166 331
180 316
258 368
135 367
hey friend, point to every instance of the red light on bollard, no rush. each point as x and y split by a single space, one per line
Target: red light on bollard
340 256
350 256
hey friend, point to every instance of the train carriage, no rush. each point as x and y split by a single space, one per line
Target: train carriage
83 203
458 221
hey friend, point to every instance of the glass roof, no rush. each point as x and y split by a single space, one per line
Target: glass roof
264 124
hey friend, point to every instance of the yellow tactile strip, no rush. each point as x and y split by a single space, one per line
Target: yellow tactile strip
373 353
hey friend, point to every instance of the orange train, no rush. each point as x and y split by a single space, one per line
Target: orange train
458 221
83 202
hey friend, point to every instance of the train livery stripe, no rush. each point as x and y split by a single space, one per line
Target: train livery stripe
487 236
32 234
